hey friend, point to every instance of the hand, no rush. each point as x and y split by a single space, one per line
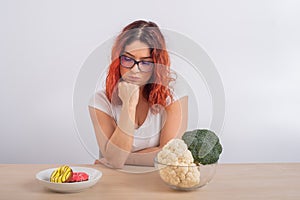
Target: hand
128 93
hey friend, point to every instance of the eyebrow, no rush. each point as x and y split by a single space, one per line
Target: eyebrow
134 56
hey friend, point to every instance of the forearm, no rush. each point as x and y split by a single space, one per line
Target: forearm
117 150
142 158
148 150
119 146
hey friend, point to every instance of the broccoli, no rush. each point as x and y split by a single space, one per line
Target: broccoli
204 145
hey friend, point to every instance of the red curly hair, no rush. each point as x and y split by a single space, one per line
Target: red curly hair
157 90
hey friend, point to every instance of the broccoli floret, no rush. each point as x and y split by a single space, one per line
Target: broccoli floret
204 145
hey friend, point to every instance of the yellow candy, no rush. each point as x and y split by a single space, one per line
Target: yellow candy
61 175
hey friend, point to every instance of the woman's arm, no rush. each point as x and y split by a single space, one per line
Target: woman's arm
174 127
114 143
115 140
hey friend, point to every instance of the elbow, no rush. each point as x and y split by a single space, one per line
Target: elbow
110 162
115 156
116 163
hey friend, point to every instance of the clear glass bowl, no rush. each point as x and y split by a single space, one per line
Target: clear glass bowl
185 177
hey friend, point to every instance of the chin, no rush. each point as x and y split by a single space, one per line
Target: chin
133 82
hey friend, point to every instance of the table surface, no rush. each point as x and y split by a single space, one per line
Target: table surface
231 181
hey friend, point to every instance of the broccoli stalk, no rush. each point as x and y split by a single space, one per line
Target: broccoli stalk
204 145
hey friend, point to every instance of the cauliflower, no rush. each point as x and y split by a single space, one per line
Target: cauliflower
180 170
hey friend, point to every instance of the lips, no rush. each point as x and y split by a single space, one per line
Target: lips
133 78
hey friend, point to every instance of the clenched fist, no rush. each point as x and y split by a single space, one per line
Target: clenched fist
128 93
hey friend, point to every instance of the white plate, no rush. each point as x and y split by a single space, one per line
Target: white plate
44 178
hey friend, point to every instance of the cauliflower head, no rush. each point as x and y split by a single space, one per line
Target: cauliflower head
179 168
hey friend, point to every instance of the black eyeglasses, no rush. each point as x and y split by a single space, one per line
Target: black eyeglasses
143 66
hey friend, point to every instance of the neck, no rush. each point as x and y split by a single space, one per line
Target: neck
141 97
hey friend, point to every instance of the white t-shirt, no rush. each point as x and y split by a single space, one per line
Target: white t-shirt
148 134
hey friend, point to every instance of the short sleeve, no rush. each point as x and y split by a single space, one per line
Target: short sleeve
100 101
180 88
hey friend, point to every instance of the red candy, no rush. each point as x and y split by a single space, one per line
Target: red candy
79 176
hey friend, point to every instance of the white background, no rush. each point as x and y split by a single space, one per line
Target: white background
255 46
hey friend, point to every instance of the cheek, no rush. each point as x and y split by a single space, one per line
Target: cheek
147 77
123 71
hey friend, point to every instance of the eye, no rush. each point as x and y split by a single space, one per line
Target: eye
146 63
127 59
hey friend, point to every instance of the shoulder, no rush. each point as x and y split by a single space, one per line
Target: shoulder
100 101
98 97
179 89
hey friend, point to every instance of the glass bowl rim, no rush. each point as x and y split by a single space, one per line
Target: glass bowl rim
170 165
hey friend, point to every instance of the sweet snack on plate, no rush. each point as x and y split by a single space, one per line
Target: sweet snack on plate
62 174
79 177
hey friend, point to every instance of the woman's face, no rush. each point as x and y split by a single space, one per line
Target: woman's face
137 51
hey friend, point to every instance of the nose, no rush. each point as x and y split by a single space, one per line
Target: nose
135 68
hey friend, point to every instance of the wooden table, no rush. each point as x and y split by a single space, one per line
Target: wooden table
232 181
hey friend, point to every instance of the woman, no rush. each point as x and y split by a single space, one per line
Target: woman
138 113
